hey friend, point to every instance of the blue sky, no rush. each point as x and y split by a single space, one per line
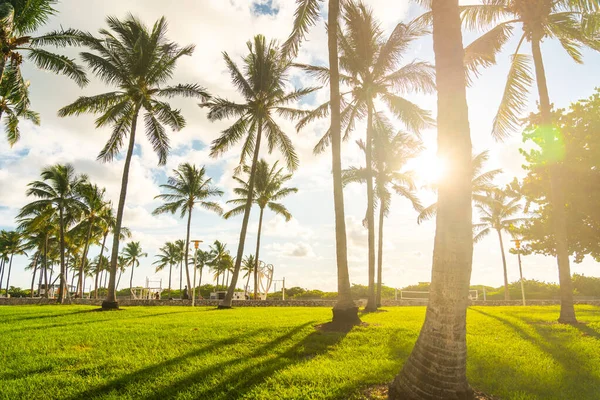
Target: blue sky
302 250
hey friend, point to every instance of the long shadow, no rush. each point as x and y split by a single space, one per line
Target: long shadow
10 320
250 369
574 376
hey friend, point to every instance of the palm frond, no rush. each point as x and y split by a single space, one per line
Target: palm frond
306 15
59 64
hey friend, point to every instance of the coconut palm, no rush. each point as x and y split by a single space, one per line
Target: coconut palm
187 188
391 152
371 70
11 244
262 85
93 197
431 374
60 188
139 62
574 24
202 259
218 259
121 266
249 266
14 104
167 256
180 244
132 252
268 189
497 210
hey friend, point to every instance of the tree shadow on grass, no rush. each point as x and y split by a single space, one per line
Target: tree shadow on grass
232 378
575 378
45 316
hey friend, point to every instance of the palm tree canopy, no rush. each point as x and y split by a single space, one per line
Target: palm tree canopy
167 256
138 61
132 252
574 23
248 265
263 86
14 104
189 186
497 210
370 69
268 189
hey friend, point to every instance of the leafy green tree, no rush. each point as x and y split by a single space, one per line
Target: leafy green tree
139 62
496 213
575 24
167 256
60 189
187 188
268 190
132 252
391 152
370 68
428 374
345 311
480 183
262 84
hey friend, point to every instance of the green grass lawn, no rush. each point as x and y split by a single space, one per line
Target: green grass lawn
70 352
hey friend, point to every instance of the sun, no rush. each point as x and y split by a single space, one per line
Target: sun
429 168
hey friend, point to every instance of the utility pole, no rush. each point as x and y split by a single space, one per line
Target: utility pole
196 243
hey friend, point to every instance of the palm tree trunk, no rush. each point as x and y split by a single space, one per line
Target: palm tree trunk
437 366
111 297
372 300
35 262
187 248
46 265
226 303
345 311
260 218
248 282
98 269
506 292
557 200
8 275
119 280
83 257
131 279
380 252
2 262
63 283
200 279
170 272
181 279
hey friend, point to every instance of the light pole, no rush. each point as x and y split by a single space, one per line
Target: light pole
518 246
196 243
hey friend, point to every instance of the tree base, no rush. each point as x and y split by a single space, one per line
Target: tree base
110 305
224 307
568 320
345 317
397 392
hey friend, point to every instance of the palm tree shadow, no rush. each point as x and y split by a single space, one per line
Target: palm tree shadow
45 316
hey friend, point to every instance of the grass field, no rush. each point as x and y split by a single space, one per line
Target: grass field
71 352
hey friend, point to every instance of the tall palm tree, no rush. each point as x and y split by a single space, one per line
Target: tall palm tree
139 62
12 244
202 259
497 210
262 85
574 24
121 266
429 373
60 188
167 256
93 197
268 189
218 259
14 104
187 188
249 266
132 252
371 70
481 182
180 244
391 152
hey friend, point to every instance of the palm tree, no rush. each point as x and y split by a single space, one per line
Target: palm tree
268 182
139 62
218 262
121 266
370 68
187 188
481 182
263 86
429 373
93 197
496 211
574 24
180 244
249 267
391 152
167 256
60 188
14 104
202 259
11 244
132 252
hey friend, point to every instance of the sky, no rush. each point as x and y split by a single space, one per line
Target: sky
301 250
